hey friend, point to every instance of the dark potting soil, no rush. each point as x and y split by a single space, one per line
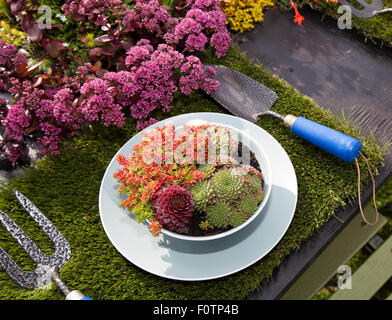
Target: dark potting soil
252 161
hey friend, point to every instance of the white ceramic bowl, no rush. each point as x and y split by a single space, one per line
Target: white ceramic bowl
178 259
257 148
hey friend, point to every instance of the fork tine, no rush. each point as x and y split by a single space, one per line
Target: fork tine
46 266
363 2
354 11
32 210
24 279
24 241
369 10
62 248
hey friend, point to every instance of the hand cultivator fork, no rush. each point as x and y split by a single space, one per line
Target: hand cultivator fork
47 267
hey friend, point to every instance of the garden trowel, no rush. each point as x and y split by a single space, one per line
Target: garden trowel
250 100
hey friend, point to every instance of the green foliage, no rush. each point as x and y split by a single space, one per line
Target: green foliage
259 195
227 184
143 212
222 214
207 168
202 193
237 218
253 182
5 12
205 225
229 197
248 204
12 35
170 3
234 201
283 5
384 195
218 214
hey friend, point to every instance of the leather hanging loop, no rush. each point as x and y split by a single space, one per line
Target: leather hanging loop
359 190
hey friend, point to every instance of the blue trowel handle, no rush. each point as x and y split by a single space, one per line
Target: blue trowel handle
339 144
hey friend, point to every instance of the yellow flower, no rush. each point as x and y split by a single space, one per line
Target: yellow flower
243 14
11 35
90 40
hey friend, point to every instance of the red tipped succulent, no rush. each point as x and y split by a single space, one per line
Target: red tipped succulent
174 207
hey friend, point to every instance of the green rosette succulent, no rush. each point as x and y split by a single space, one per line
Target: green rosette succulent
248 204
253 182
202 193
228 195
222 214
237 218
207 168
259 195
228 184
218 214
236 194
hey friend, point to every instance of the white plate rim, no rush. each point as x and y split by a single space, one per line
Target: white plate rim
210 117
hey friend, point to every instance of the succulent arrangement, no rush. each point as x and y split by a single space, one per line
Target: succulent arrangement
189 195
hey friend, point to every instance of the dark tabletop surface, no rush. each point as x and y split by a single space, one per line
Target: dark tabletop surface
341 73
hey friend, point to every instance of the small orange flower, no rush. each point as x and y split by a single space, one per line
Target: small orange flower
141 180
155 227
298 17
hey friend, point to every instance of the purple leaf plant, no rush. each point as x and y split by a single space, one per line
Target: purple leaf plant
143 57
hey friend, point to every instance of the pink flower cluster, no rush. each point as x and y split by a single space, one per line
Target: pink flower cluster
50 111
17 120
149 82
152 71
100 103
204 22
51 139
10 58
192 30
94 11
148 15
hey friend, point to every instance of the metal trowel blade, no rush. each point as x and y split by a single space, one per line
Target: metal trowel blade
242 95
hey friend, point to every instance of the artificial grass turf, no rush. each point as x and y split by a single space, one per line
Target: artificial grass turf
65 187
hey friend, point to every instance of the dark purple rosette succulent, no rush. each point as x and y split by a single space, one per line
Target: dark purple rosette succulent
174 206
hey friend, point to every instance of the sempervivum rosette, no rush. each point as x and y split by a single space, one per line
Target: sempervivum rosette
174 206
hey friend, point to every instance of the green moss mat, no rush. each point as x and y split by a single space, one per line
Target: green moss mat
377 29
65 188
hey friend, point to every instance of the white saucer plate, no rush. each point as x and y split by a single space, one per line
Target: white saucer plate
180 259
